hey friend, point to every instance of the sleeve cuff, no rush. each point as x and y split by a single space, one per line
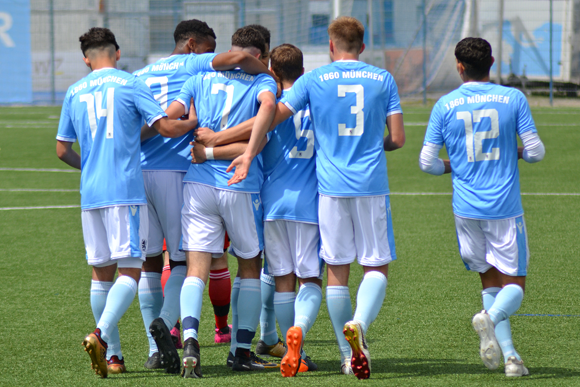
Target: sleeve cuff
398 111
287 104
155 119
185 105
66 139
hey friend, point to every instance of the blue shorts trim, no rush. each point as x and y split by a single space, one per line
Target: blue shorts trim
522 246
258 209
134 224
390 233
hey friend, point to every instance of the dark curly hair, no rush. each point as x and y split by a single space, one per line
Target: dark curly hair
249 37
263 30
193 28
475 55
98 38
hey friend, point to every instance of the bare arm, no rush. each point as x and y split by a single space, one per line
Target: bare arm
66 153
169 126
199 153
245 61
396 137
259 130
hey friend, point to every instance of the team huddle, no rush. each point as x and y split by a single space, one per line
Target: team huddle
288 171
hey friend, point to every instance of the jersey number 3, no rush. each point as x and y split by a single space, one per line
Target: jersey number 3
99 112
357 110
474 142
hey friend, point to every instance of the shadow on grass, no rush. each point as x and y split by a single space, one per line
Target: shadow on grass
381 369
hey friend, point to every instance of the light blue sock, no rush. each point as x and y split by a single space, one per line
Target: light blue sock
119 299
506 303
307 306
369 298
234 305
99 292
171 308
284 308
340 311
249 303
268 331
503 332
191 300
150 302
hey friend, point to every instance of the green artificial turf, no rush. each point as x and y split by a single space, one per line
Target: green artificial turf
422 335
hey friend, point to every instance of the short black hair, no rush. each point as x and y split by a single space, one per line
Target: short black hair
475 55
249 37
287 62
98 38
263 30
193 28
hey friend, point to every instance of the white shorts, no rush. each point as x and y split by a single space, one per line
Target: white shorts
208 212
501 243
164 191
292 247
358 227
113 233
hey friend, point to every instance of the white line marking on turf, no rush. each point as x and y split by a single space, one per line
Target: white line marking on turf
450 193
41 170
36 190
37 208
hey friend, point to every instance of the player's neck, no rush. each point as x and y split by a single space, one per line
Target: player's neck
344 56
287 84
180 51
101 63
482 80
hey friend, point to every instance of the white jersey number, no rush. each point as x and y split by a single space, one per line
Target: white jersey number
356 110
99 112
162 96
474 142
308 133
229 90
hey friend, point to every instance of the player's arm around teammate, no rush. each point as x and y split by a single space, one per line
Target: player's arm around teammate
489 221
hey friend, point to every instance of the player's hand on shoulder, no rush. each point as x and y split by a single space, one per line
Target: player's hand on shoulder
205 136
197 153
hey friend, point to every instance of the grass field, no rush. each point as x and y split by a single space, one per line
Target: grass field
422 335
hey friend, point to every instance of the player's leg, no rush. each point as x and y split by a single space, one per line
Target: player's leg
472 249
151 301
269 343
220 288
338 251
293 252
375 246
508 252
202 235
242 215
125 231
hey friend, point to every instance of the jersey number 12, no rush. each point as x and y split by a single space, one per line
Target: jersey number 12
474 142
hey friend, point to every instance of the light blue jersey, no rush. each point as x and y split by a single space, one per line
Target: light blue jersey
478 124
290 186
165 78
105 111
224 99
349 104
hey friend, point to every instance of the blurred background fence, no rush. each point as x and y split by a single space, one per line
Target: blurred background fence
534 41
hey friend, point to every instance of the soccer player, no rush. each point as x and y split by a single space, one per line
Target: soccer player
350 102
164 162
269 343
104 111
479 123
223 99
291 236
